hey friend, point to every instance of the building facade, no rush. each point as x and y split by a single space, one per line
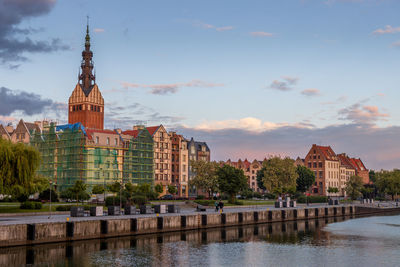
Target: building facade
332 170
196 151
250 169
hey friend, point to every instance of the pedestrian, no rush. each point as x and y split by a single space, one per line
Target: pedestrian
221 205
216 205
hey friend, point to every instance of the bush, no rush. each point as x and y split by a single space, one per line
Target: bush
139 200
111 201
257 195
63 208
29 205
45 195
269 196
205 202
312 199
200 197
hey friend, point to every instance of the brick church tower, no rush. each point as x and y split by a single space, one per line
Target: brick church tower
86 104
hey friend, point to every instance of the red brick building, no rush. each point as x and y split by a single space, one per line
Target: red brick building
86 104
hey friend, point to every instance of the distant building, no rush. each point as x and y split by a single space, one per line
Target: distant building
299 162
196 151
22 132
332 170
250 169
179 164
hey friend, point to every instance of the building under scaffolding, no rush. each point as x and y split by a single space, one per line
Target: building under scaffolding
71 152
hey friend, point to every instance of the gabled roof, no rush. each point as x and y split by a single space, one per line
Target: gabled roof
4 131
153 129
327 152
133 133
345 161
358 164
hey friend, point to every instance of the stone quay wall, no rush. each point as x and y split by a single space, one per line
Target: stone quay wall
26 234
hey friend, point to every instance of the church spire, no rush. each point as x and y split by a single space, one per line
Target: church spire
87 79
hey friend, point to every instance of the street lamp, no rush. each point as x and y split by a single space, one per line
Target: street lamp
51 182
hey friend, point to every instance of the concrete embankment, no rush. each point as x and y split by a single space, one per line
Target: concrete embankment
26 234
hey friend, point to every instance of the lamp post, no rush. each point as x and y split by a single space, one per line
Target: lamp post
51 182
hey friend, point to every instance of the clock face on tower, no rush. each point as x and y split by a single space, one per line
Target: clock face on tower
86 104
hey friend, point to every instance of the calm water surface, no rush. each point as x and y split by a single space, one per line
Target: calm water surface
369 241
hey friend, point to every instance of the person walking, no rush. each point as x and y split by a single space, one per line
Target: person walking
216 205
221 205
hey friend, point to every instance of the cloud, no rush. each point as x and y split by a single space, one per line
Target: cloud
261 34
387 30
16 42
395 44
357 113
98 30
285 85
247 124
311 92
163 89
28 103
210 26
377 147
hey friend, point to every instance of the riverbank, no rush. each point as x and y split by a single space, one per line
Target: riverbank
113 226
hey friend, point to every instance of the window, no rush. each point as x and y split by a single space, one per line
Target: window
184 157
73 108
321 174
97 139
319 164
183 179
184 168
314 165
309 165
116 141
108 140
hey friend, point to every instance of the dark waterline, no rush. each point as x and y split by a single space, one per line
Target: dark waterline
369 241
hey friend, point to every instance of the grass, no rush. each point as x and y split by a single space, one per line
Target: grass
13 207
247 202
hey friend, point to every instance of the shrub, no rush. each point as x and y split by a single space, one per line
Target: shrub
29 205
200 197
63 208
139 200
205 202
111 201
312 199
269 196
45 195
257 195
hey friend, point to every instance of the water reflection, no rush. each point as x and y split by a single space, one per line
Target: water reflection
289 243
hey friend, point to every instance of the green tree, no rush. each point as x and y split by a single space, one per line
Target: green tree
279 175
388 182
18 165
206 176
172 189
98 190
231 181
114 188
305 180
260 182
372 176
354 187
333 190
129 189
159 189
78 190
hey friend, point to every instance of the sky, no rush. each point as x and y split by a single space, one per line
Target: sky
251 78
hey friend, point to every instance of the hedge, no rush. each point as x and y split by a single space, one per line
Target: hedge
29 205
312 199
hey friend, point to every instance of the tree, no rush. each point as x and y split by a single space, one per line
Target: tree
206 176
158 188
45 195
260 182
333 190
388 182
305 180
279 175
114 188
129 189
231 181
372 176
354 187
18 165
98 190
172 189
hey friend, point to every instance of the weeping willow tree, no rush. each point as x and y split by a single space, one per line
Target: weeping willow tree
18 165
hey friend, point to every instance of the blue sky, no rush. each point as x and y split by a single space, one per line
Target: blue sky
228 72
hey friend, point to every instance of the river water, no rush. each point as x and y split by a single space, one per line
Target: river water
368 241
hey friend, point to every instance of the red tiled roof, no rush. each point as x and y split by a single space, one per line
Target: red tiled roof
152 129
327 152
345 161
358 164
133 133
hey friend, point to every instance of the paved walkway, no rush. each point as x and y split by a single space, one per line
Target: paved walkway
184 211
